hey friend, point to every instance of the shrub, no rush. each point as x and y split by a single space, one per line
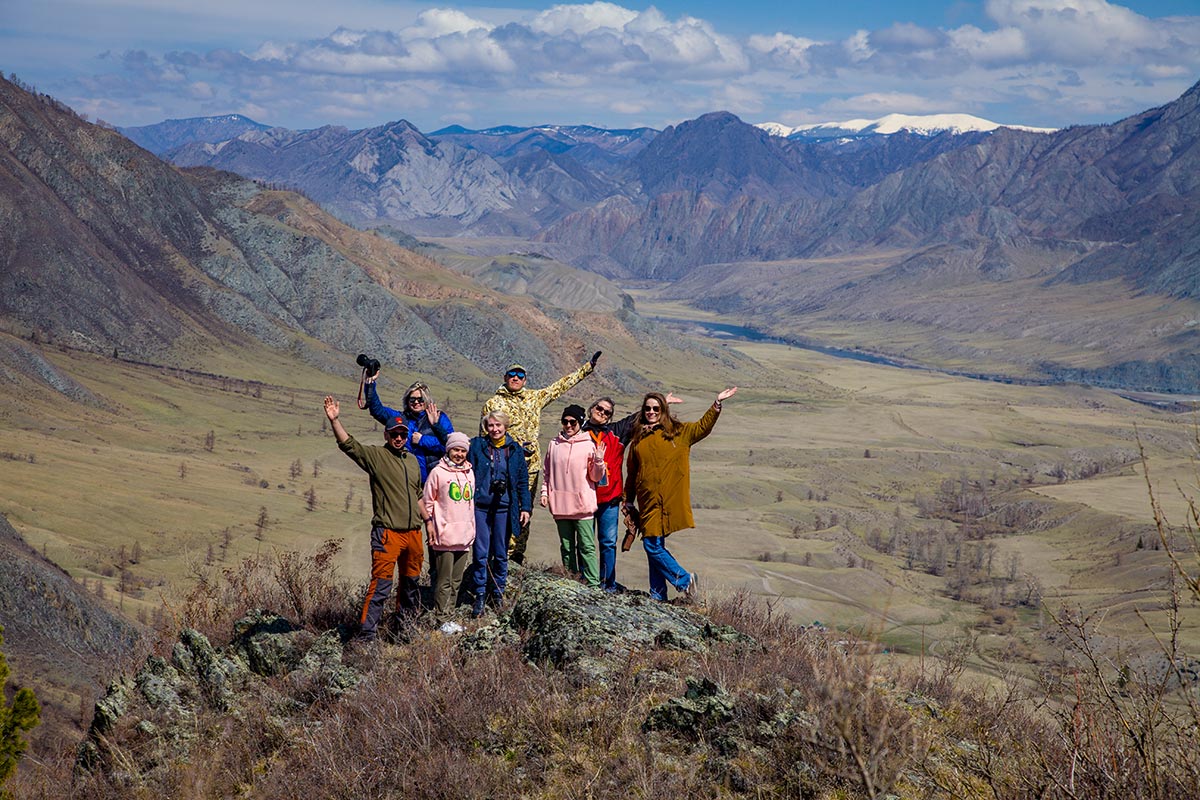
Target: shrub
16 719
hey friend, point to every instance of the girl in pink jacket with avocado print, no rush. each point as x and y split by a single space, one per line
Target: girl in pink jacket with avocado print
573 466
449 510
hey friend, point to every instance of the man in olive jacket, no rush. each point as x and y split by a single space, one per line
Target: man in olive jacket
396 520
524 409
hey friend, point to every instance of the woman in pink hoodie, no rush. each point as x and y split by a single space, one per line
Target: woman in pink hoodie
449 506
573 465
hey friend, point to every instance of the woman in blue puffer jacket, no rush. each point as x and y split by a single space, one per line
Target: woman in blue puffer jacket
428 427
502 505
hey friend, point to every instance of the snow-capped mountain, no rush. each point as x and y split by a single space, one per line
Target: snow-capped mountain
925 125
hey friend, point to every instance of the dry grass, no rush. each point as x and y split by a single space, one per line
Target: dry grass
796 713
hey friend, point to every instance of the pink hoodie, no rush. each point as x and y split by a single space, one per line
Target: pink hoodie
449 501
569 475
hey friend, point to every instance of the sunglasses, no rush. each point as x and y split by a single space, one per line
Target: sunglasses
419 385
392 434
569 421
515 374
414 401
607 412
655 409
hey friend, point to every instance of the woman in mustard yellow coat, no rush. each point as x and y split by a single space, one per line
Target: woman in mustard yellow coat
658 483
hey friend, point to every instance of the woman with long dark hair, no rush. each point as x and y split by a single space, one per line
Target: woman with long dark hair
658 485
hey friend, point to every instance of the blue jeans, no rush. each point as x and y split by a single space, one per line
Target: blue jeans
607 517
490 551
664 568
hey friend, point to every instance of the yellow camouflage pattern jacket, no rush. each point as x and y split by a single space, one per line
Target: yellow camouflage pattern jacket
524 409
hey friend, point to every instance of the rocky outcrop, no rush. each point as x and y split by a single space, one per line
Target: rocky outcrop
177 701
158 713
570 626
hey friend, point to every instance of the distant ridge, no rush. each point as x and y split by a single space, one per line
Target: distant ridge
922 125
169 134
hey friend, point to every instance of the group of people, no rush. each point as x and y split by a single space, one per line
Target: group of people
472 497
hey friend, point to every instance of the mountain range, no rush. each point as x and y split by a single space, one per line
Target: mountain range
1090 216
109 249
520 181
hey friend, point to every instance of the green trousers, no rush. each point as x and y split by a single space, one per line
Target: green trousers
577 545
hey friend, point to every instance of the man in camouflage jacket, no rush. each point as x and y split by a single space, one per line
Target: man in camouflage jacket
524 409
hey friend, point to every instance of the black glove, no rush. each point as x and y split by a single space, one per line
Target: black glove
595 358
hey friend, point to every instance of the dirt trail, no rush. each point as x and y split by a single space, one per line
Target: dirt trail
766 575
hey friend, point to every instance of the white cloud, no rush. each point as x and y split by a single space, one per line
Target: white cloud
1077 31
627 107
1034 61
581 19
782 50
858 47
201 90
877 104
1004 46
438 22
737 99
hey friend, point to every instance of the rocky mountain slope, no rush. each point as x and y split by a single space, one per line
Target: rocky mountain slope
169 134
1007 187
389 172
596 148
108 248
58 637
497 182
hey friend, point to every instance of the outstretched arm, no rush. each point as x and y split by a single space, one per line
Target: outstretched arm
333 411
552 392
382 414
692 432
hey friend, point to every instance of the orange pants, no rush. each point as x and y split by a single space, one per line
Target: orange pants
392 550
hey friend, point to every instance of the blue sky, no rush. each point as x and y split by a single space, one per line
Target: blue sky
305 63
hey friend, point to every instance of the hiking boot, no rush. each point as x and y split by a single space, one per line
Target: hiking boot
477 606
692 590
497 601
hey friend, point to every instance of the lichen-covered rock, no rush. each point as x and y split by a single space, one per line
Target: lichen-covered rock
111 707
268 643
159 683
704 707
562 622
157 715
321 666
218 676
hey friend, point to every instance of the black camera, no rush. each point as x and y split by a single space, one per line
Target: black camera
499 486
369 365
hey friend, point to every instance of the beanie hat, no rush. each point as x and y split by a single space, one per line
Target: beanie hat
458 439
576 411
